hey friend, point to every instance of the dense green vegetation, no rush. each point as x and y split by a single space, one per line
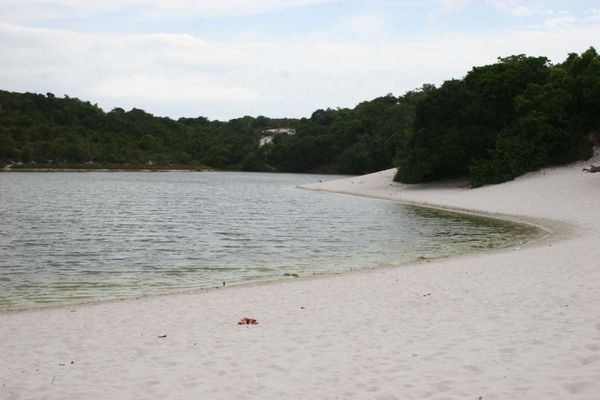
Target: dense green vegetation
61 131
505 119
46 129
347 141
499 121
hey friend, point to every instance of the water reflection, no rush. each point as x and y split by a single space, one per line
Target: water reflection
81 236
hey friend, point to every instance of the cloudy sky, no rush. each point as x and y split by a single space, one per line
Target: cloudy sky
280 58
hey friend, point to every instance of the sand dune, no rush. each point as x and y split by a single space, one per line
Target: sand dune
514 323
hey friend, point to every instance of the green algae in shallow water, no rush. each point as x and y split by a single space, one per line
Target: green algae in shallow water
65 237
473 232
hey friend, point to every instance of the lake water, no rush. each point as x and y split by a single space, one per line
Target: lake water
75 237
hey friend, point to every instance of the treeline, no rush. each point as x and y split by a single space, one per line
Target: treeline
505 119
45 129
499 121
48 130
347 141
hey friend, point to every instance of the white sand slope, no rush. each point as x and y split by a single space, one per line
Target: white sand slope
511 324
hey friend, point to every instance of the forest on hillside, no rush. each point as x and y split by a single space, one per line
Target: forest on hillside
505 119
499 121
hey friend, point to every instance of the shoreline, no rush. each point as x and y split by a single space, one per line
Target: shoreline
86 167
550 227
496 324
547 229
101 170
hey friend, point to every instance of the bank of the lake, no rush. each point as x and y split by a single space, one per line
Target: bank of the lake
101 167
69 238
520 322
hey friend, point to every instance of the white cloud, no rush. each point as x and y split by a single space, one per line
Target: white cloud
593 15
520 9
454 5
38 9
165 88
366 26
532 9
562 21
182 75
504 5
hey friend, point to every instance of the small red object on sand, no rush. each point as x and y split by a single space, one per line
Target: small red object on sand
247 321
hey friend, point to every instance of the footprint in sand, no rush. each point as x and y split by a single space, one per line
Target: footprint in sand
508 350
589 360
593 347
576 387
276 367
473 368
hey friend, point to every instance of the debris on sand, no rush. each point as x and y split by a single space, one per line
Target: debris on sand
247 321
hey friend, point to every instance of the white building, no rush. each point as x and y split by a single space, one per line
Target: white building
269 134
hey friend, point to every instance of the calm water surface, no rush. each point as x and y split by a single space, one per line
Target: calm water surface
73 237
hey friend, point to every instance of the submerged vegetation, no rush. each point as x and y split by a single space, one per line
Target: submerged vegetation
498 122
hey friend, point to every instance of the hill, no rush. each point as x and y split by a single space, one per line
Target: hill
499 121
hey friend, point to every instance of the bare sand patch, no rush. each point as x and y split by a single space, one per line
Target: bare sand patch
519 323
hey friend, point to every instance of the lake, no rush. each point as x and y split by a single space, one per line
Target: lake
75 237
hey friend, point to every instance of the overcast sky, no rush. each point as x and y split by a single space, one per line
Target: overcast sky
279 58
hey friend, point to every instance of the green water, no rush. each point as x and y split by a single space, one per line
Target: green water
75 237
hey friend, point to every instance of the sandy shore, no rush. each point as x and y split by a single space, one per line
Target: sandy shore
518 323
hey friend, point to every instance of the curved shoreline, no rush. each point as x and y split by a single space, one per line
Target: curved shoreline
549 228
552 228
493 325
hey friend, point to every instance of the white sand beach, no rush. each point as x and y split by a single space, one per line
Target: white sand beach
519 323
